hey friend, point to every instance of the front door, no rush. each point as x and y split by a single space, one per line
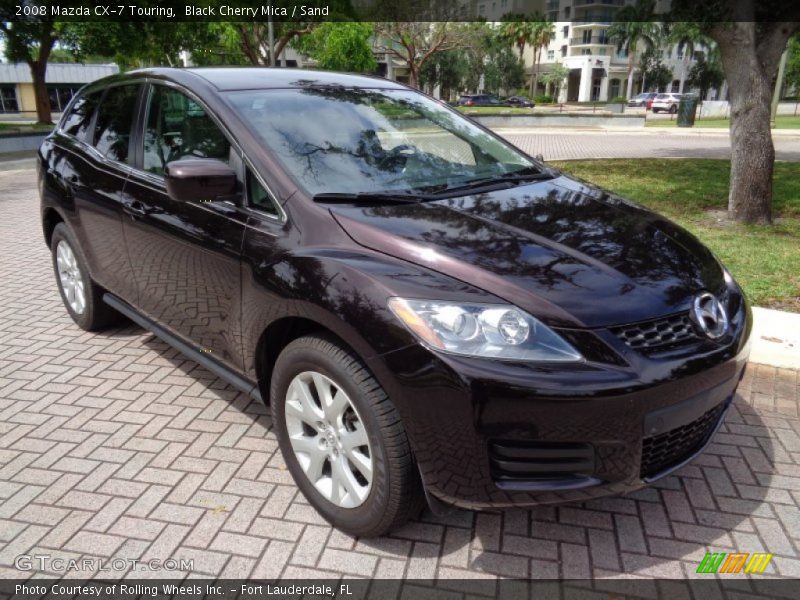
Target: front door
185 255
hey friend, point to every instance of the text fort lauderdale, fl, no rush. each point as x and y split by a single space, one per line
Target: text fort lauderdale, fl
139 590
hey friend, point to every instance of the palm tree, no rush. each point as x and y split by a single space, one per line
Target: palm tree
689 37
635 24
516 30
542 32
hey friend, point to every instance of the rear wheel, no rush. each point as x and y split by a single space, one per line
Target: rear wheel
82 297
342 438
673 109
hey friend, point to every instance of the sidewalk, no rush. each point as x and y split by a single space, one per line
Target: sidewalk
776 338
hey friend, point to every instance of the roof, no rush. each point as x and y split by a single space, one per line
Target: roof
249 78
56 72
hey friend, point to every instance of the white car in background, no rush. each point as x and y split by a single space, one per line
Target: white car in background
666 102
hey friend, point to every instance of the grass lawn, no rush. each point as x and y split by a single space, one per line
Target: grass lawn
494 110
781 122
23 127
765 260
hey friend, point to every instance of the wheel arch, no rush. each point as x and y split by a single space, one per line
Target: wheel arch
50 218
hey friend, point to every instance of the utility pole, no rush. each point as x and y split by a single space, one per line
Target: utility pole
776 95
271 41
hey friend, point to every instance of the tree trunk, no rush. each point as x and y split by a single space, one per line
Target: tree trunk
630 75
750 69
535 74
43 110
413 76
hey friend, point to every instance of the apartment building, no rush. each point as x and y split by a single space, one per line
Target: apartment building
597 70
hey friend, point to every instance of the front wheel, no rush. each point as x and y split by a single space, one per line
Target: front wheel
342 438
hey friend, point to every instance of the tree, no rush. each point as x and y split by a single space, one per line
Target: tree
655 73
448 70
793 66
634 25
751 36
518 30
341 46
416 43
556 77
502 69
543 32
31 41
705 74
689 38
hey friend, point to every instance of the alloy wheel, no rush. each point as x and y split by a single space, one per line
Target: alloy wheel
329 439
70 277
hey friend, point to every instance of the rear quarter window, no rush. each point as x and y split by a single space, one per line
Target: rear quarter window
79 118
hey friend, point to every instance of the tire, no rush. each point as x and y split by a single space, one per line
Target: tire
92 314
394 494
673 109
655 111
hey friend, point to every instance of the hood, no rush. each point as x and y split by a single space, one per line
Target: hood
568 253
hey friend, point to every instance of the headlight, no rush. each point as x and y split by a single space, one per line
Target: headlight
485 330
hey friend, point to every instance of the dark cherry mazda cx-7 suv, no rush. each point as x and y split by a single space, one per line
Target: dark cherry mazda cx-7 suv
430 313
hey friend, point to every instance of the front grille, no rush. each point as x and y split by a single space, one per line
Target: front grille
539 460
667 449
658 334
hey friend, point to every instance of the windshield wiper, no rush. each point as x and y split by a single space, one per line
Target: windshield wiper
399 197
500 179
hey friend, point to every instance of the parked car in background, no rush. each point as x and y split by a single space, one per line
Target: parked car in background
642 100
666 102
520 102
431 313
479 100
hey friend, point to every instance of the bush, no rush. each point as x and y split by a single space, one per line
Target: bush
543 99
522 93
618 100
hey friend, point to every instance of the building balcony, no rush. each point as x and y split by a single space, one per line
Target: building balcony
593 3
595 40
590 24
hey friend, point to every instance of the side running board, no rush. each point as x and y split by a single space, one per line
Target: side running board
190 351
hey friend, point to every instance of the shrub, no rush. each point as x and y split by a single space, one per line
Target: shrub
618 100
543 99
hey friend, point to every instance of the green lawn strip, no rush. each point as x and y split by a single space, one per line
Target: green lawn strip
694 193
23 127
781 122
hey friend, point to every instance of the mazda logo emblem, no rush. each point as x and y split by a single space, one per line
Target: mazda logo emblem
709 316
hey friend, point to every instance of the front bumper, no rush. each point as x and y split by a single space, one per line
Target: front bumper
492 434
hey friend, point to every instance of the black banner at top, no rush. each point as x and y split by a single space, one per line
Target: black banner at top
400 10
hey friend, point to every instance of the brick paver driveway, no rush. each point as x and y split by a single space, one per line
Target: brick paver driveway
113 445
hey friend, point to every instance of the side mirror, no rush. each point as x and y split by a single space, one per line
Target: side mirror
199 180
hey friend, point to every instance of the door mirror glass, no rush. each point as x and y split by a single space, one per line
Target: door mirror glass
199 180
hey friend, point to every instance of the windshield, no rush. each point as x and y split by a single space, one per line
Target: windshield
337 140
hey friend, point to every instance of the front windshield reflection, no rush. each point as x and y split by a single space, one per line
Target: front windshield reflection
370 140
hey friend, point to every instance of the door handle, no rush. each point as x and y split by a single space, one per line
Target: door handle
137 209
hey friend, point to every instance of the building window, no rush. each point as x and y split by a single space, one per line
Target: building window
8 99
614 88
566 12
503 3
551 55
481 10
566 31
676 86
586 51
563 51
60 95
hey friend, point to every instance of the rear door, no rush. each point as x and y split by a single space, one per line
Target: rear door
186 255
95 144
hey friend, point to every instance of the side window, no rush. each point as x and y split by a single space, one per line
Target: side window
112 133
79 119
178 127
258 196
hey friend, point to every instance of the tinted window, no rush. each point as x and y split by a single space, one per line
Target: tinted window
112 134
79 119
258 195
365 140
178 127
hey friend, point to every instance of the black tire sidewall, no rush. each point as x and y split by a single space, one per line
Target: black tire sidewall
363 519
62 233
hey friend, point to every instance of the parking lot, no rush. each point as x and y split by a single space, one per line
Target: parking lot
113 445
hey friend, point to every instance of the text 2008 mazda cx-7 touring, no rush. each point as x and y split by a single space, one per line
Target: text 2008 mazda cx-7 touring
428 311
